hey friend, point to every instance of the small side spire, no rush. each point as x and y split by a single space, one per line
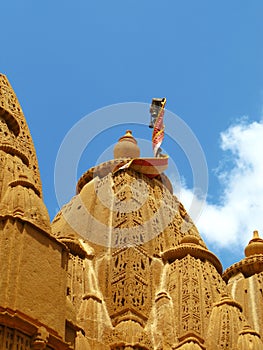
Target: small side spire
255 245
226 319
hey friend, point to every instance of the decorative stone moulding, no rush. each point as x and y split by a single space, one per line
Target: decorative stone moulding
226 300
192 248
248 267
104 169
190 341
14 151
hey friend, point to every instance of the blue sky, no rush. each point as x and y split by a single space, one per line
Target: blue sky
68 59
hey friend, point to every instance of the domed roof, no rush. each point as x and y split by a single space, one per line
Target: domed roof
126 147
125 208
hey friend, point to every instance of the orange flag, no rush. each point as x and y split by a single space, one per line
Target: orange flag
158 129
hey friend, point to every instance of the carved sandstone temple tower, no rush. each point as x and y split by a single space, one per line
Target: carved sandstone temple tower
121 267
32 261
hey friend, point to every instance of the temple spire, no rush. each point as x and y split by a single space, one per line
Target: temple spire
20 184
16 144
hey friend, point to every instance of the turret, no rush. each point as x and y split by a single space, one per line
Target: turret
245 280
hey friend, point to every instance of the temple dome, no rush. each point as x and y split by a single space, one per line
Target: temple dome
126 147
116 205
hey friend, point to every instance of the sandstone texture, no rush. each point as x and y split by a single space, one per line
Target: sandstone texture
122 266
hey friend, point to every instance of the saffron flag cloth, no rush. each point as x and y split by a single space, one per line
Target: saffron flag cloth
158 132
151 167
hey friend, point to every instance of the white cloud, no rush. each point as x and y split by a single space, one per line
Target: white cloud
239 210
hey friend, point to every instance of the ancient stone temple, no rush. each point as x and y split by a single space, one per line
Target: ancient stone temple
122 266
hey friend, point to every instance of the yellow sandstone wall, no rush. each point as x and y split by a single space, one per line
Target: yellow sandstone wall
32 274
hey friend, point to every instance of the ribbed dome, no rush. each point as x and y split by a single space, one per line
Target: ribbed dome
249 339
22 202
126 147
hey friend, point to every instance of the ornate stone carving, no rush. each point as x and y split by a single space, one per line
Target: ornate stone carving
15 138
129 284
226 322
124 266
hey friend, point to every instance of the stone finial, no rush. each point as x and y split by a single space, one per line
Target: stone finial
255 234
255 245
126 147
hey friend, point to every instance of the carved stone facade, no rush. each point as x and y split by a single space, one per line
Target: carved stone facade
121 267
